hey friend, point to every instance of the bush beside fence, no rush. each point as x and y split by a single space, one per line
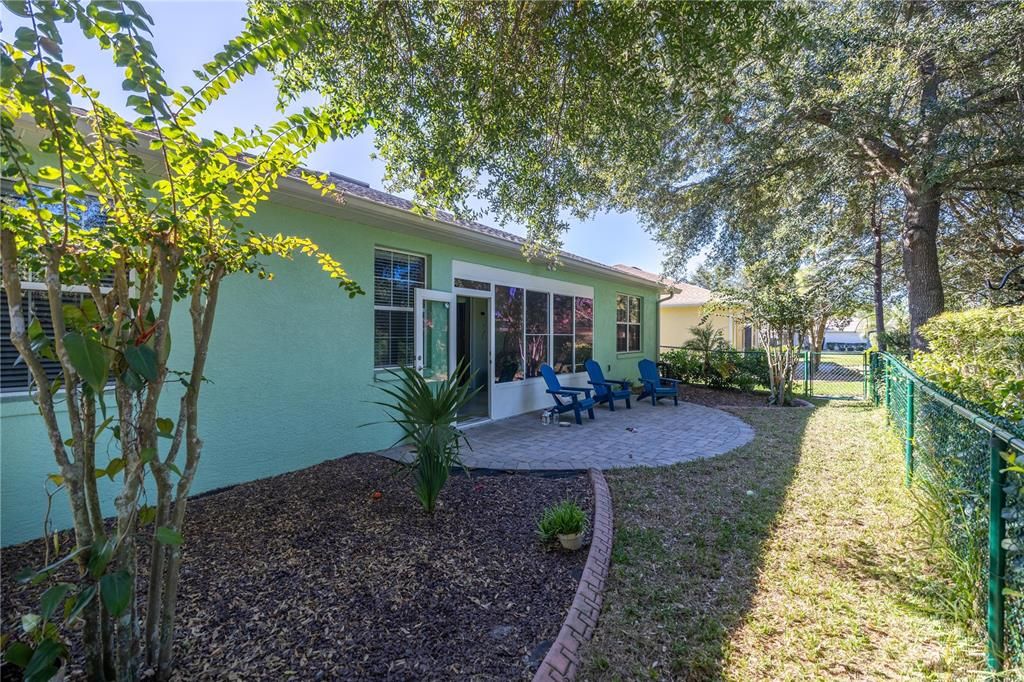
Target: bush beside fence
964 465
745 370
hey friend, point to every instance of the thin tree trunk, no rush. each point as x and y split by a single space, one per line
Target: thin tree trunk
921 260
879 298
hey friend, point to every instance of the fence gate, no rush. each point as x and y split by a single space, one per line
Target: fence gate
834 375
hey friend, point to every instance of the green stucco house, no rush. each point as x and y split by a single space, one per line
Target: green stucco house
293 361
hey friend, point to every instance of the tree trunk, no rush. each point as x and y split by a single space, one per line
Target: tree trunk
879 296
921 259
817 338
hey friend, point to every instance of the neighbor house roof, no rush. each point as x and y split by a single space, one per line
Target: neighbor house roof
683 294
398 213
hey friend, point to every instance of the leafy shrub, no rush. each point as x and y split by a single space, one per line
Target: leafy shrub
897 342
564 518
978 355
426 413
744 370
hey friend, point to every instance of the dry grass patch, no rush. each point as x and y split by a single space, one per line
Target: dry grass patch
794 557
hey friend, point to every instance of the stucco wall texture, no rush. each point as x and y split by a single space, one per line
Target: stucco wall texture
290 365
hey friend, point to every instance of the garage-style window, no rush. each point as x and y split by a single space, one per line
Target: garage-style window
627 323
396 277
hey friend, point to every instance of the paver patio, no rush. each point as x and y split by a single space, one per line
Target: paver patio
643 436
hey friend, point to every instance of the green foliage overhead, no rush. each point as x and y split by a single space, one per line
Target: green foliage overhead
539 108
978 355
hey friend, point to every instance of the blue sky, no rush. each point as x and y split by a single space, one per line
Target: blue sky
187 33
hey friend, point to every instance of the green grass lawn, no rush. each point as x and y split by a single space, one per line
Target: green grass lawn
794 557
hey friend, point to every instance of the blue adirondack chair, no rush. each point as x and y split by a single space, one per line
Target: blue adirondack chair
566 397
604 389
655 385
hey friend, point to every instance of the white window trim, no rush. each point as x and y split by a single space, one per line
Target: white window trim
381 372
639 325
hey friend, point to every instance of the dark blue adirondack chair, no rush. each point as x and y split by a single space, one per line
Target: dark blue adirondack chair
604 389
567 398
655 385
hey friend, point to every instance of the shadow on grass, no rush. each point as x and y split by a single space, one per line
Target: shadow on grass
688 549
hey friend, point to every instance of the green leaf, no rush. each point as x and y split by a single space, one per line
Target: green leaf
73 316
90 311
52 598
133 381
19 654
147 455
116 592
30 621
88 358
100 556
43 666
168 536
114 467
83 599
142 359
102 427
36 577
17 7
48 173
165 425
147 514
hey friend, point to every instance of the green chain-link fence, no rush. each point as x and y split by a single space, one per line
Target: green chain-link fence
966 463
819 374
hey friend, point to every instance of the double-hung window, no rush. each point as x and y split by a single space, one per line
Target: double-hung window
396 277
15 376
627 323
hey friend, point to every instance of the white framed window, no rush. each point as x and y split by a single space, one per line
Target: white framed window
396 277
535 327
15 376
627 323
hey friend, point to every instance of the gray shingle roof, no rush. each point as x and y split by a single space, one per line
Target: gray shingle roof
684 294
346 185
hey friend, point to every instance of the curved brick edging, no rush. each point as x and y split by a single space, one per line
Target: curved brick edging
563 658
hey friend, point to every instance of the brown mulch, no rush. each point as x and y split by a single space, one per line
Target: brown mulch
305 575
721 397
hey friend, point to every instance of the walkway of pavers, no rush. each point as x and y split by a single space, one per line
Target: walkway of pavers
643 436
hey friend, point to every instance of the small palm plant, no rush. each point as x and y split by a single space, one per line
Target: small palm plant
706 340
426 413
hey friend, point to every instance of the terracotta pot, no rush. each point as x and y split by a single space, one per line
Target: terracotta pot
572 541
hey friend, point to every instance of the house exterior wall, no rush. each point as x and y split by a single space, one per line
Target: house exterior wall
290 364
676 322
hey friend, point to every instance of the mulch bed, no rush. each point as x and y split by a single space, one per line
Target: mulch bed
721 397
305 575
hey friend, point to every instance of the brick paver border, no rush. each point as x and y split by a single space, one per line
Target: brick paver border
563 658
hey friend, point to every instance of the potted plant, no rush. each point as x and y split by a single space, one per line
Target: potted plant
566 521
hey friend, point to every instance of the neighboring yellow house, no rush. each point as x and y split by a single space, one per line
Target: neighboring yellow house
684 309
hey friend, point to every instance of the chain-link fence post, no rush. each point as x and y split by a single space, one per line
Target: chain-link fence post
875 362
807 373
864 376
910 431
888 391
996 554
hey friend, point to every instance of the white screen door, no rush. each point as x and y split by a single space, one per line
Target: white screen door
435 333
